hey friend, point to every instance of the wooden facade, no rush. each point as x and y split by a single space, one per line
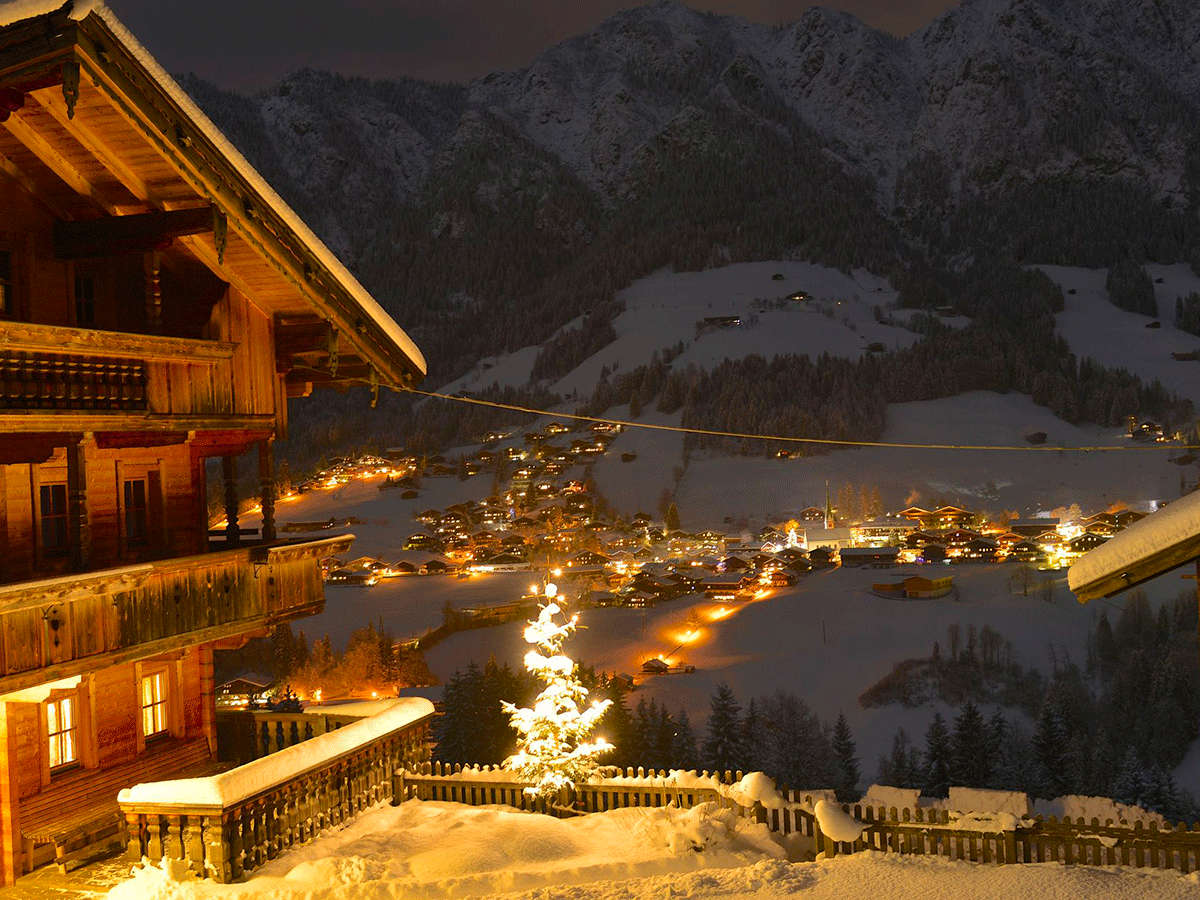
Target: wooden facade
159 305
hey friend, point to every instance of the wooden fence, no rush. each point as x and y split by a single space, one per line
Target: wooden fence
928 832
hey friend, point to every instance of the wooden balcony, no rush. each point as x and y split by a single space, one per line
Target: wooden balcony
54 379
229 824
60 627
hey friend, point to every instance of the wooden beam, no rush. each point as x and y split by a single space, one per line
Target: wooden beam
29 448
54 104
208 255
20 129
27 421
208 171
95 662
77 504
114 235
30 337
31 187
120 440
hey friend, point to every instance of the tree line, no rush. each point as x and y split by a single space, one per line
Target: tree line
1116 728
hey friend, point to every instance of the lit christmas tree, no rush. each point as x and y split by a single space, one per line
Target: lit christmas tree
553 750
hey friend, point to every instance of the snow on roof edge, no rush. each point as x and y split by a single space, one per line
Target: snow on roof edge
13 11
369 305
1169 526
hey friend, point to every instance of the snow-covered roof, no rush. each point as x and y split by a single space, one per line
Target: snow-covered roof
13 11
1153 545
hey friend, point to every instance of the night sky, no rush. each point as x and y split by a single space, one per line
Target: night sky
248 44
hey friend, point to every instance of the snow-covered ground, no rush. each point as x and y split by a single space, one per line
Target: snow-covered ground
664 308
757 489
827 640
1094 327
444 850
637 485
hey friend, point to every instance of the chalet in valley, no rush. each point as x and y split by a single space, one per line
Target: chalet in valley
159 306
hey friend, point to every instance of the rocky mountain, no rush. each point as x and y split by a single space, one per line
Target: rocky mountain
486 216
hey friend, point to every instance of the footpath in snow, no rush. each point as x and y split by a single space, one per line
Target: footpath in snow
445 850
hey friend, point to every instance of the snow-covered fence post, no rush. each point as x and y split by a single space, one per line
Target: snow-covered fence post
398 786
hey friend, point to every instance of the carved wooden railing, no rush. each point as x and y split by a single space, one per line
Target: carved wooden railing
230 824
60 627
61 381
250 734
47 368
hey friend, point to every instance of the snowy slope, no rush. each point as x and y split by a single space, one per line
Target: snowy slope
827 640
664 309
757 489
1094 327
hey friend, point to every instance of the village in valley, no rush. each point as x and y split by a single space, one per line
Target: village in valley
727 567
547 519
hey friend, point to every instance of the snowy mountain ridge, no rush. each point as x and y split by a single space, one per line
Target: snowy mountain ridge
488 216
991 92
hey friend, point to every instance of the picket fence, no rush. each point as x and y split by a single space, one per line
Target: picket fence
931 832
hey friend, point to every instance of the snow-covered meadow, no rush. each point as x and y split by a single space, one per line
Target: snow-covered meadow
1094 327
757 489
826 640
663 309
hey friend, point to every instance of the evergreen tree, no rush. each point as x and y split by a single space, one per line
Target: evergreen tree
552 747
671 520
724 746
283 652
752 726
457 737
937 758
1049 748
1106 648
969 749
793 746
618 725
683 745
848 771
901 767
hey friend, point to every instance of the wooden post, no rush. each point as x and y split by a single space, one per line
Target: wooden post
12 850
1197 577
77 510
152 265
266 483
229 474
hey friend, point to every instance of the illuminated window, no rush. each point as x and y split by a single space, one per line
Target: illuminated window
52 500
7 300
154 704
135 513
60 730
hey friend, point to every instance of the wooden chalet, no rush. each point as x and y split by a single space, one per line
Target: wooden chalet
159 306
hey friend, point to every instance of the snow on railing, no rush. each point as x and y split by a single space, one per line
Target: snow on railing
227 824
1003 834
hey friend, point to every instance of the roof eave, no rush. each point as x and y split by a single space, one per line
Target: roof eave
1145 569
